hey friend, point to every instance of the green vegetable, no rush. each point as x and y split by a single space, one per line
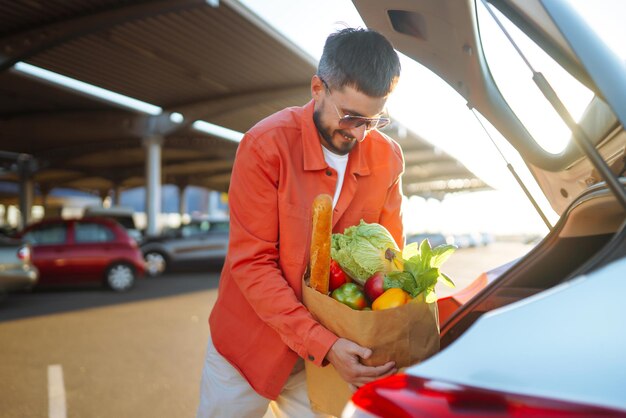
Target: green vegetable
362 250
421 270
350 294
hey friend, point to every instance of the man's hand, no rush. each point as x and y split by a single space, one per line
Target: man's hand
345 356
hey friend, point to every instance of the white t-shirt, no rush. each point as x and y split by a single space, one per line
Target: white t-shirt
339 163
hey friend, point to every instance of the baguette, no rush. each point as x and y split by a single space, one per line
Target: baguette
320 242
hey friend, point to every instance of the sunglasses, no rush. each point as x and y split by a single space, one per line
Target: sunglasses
351 122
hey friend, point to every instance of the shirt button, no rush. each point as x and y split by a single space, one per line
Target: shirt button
311 358
329 173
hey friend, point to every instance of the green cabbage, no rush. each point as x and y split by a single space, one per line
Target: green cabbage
360 250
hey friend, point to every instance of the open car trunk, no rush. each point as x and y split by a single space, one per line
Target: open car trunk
590 234
582 182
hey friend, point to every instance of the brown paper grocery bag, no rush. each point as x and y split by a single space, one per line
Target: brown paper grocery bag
407 335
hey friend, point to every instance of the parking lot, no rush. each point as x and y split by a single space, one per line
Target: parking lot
137 354
130 355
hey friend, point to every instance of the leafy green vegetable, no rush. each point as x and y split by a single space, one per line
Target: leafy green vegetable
421 270
400 279
447 280
441 253
410 250
361 250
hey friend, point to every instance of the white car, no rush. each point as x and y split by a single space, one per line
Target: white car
125 216
547 337
17 272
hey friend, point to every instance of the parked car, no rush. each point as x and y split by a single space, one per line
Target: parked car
123 215
546 336
198 243
486 238
87 250
16 269
463 240
433 238
7 231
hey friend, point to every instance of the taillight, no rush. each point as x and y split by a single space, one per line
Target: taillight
23 253
405 396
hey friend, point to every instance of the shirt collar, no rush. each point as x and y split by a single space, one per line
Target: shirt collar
312 147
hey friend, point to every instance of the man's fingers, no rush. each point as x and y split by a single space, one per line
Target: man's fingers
389 373
365 353
367 379
377 371
361 375
345 356
362 352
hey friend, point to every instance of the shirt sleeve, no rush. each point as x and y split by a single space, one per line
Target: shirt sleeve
253 252
391 214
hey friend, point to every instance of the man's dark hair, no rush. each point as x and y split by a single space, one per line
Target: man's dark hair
362 59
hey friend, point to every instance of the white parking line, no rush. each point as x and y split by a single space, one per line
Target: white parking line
56 392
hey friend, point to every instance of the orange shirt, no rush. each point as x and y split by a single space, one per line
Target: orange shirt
259 323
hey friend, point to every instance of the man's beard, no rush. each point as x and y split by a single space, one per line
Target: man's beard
327 136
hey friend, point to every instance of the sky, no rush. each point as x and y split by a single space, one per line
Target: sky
429 107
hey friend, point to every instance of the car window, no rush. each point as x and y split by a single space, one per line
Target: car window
219 226
47 235
195 228
203 227
188 231
126 221
92 232
169 232
514 80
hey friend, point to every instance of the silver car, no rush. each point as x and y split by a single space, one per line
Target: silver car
16 269
198 243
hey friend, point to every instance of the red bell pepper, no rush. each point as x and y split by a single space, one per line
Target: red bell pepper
337 276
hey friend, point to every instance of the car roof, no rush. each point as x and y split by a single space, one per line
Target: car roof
112 211
96 219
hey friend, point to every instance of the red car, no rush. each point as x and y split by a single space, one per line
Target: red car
87 250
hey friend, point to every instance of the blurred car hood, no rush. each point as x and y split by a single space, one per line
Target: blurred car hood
443 36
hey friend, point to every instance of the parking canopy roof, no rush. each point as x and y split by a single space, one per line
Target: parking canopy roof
204 60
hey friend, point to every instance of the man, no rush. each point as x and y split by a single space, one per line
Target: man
260 331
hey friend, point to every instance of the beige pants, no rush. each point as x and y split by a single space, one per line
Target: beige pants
224 393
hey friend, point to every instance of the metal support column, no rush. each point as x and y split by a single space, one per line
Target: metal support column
117 195
153 146
27 191
26 167
5 215
214 201
103 194
182 200
44 198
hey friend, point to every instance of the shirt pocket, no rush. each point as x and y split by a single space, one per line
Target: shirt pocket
295 233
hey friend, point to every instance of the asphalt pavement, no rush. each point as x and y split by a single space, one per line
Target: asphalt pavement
92 353
137 354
